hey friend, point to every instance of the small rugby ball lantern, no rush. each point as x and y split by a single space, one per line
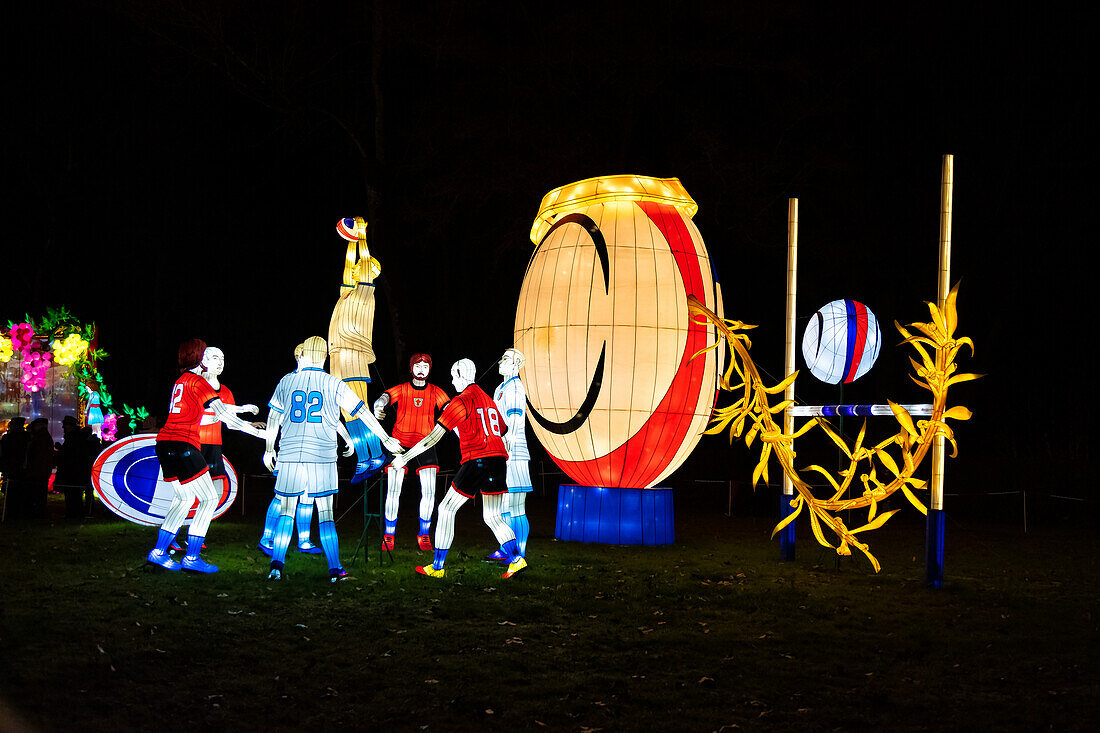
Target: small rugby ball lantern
841 342
614 394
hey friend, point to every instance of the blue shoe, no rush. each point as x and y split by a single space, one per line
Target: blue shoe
369 453
198 565
161 559
275 574
499 556
266 549
339 574
308 548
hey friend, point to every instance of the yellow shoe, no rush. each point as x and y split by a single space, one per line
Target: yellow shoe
430 571
515 567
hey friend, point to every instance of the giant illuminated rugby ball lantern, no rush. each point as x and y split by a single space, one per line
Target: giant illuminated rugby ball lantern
128 480
614 394
841 342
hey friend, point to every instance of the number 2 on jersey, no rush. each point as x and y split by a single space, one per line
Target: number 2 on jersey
177 397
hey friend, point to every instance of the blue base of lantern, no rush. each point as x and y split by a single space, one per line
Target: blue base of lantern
786 536
614 516
933 572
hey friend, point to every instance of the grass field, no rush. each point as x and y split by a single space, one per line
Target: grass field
712 633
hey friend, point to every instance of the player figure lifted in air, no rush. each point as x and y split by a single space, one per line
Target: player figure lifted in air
305 409
416 403
180 456
511 400
484 467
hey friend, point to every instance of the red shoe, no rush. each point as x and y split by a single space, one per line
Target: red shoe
425 542
387 542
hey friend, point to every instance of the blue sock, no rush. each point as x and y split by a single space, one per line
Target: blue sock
303 517
273 510
330 543
284 526
163 538
194 545
511 550
521 528
391 526
440 558
425 525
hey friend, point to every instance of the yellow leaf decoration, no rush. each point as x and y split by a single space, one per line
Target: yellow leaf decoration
936 347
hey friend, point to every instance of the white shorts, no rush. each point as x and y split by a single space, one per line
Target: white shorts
519 477
316 479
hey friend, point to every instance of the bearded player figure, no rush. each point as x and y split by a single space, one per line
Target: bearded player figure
511 400
180 456
305 408
416 403
484 467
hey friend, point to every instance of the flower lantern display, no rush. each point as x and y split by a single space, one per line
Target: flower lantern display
841 342
54 361
70 350
614 394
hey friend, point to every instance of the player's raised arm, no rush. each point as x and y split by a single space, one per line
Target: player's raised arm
425 443
223 413
357 409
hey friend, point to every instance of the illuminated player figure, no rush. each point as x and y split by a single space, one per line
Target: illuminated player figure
180 455
305 409
304 514
416 403
511 400
484 467
210 427
349 337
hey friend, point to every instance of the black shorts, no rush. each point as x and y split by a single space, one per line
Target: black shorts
427 459
180 461
212 454
487 475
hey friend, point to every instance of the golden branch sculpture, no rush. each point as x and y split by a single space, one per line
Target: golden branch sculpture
752 416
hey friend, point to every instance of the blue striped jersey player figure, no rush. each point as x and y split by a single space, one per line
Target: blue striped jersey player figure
511 400
179 453
303 516
475 417
416 403
305 410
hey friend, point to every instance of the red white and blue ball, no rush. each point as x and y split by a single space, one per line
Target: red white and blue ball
128 480
841 342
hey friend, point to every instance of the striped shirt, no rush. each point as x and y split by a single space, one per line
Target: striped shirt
310 400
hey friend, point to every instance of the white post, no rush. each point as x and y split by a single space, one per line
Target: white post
787 537
934 540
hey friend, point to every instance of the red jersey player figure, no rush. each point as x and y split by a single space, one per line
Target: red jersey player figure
416 403
179 453
210 428
484 467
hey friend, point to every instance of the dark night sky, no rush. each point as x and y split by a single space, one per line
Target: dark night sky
153 148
